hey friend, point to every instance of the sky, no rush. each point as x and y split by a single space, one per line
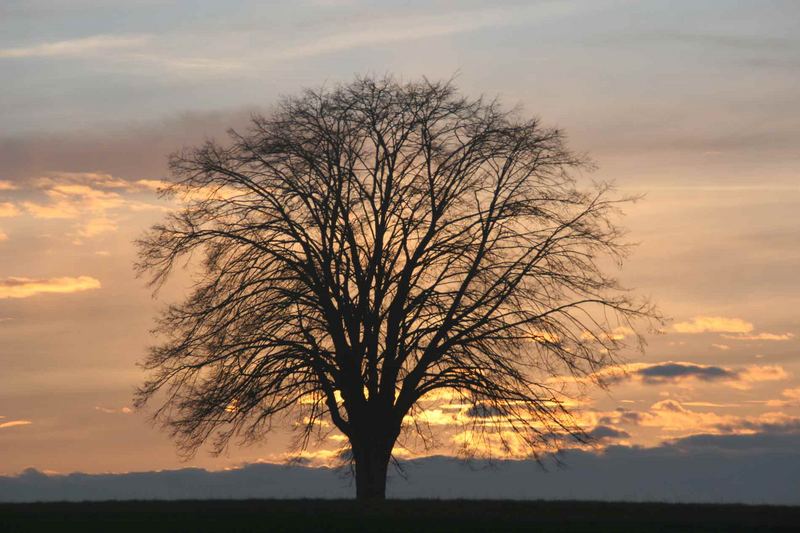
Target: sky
693 104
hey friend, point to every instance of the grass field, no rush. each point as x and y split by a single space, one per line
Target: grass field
395 516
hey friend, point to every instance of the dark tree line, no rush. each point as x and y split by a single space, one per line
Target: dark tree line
365 246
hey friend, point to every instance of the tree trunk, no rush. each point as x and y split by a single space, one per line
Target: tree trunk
372 465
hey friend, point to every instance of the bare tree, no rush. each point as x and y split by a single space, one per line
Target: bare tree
366 245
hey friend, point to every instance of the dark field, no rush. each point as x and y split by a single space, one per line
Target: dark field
396 516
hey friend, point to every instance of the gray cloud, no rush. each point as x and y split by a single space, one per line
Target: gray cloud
759 468
482 410
136 152
603 433
660 373
703 40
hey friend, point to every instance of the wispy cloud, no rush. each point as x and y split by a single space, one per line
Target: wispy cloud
13 288
91 198
180 52
759 373
7 210
416 28
14 423
72 201
792 394
83 46
713 324
125 410
764 336
730 328
6 185
789 398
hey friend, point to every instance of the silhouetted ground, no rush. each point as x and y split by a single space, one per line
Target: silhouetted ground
396 516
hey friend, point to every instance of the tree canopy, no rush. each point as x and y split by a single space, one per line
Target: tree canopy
363 246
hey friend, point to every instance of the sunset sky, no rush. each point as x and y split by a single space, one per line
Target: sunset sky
694 104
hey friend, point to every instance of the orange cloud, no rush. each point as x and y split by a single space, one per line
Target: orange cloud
7 210
151 185
673 417
14 423
3 236
96 226
71 201
762 337
792 394
790 398
714 324
109 411
100 179
617 334
756 374
7 186
90 197
27 287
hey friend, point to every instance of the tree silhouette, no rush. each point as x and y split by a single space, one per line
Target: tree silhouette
367 245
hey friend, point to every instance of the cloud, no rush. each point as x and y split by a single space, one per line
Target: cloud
789 398
769 433
7 186
617 334
174 54
483 410
713 324
711 404
731 328
704 40
3 236
96 226
792 394
125 410
84 46
410 29
180 52
622 416
662 372
7 210
671 416
73 201
757 469
680 371
152 185
762 337
90 197
14 287
101 179
605 433
676 419
760 373
14 423
723 347
131 153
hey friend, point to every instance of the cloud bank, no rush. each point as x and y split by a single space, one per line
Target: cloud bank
26 287
760 468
